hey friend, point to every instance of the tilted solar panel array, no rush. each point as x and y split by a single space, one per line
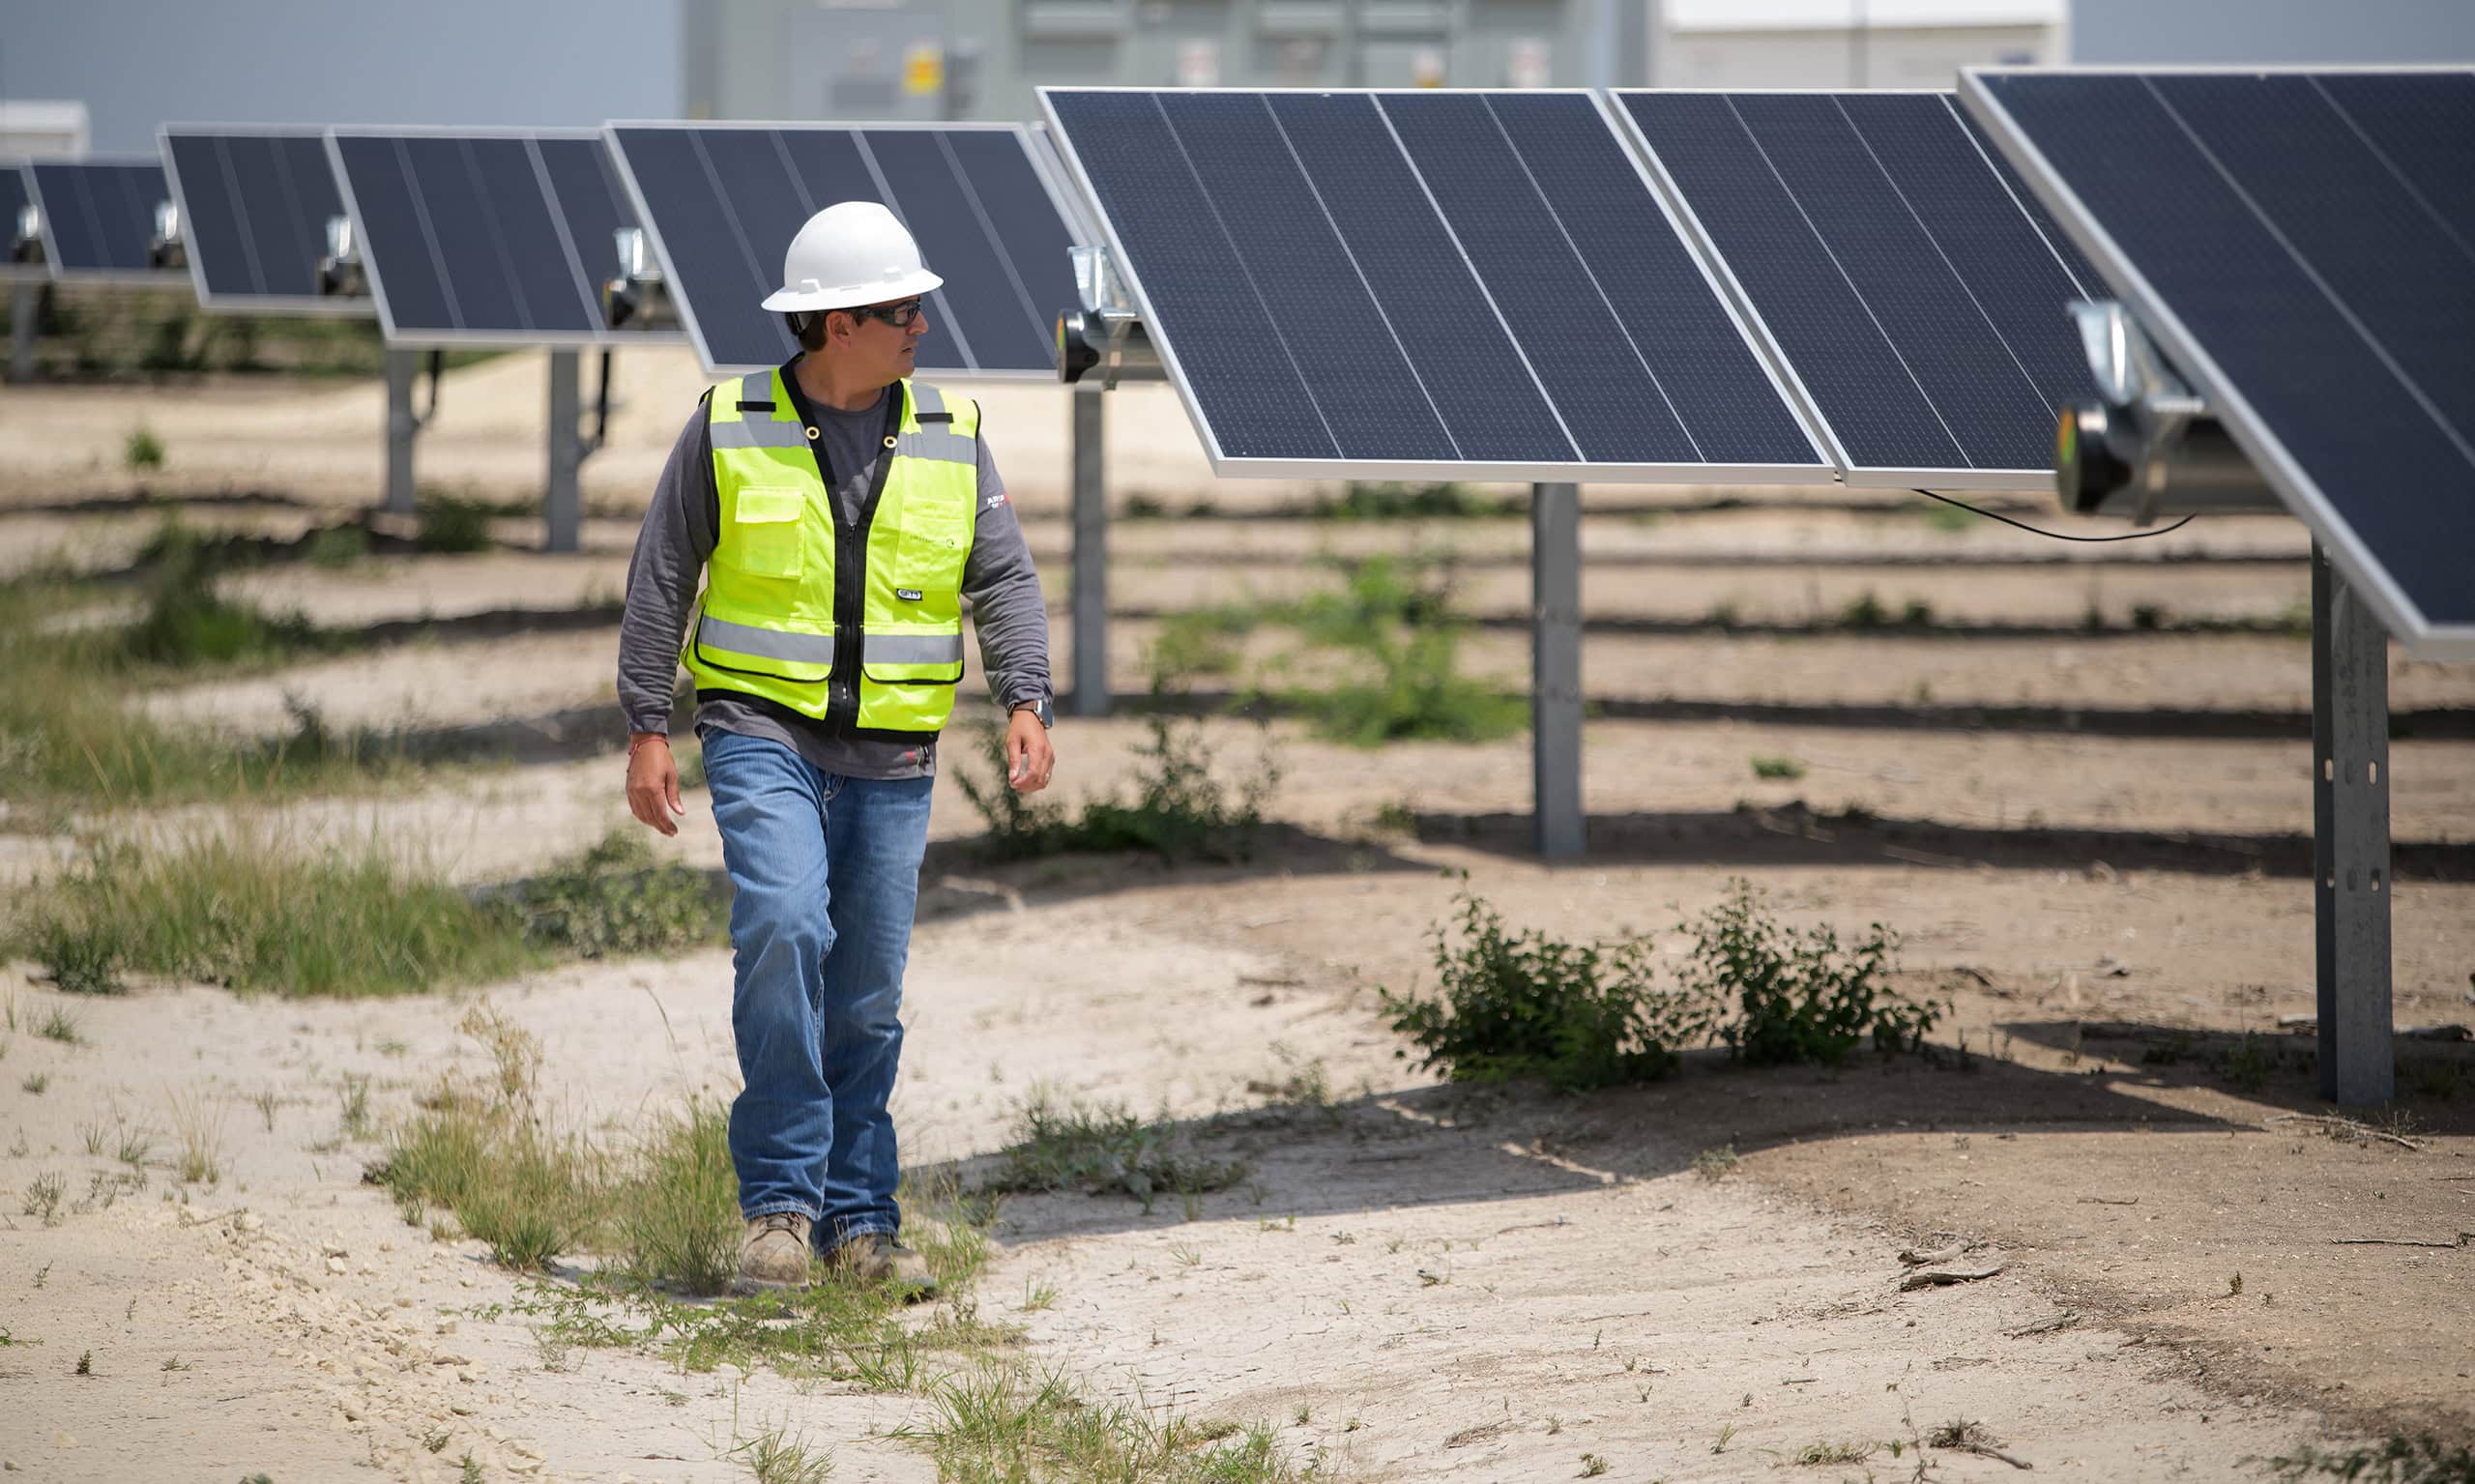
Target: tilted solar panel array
723 201
98 215
1415 283
2303 245
1916 295
254 207
485 238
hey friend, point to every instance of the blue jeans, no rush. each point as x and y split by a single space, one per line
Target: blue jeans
827 869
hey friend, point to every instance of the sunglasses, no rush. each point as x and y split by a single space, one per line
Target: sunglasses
898 315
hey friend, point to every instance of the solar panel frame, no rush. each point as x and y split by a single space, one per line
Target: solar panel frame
1855 474
12 271
1035 149
323 305
2284 473
56 269
1822 471
432 339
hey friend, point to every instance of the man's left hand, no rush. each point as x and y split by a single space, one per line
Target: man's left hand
1029 758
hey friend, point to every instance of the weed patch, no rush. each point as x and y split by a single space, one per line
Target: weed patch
1777 768
2401 1460
1395 625
450 524
1526 1004
1178 810
1072 1145
1390 501
1523 1005
142 449
616 900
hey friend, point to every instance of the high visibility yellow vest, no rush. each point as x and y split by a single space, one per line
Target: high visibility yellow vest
860 628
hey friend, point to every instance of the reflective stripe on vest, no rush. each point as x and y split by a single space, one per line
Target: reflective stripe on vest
879 648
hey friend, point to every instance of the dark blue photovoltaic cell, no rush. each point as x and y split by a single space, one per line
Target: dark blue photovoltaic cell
2002 245
1880 244
715 268
1327 325
2085 276
1039 249
726 202
1259 403
382 201
2324 377
1416 270
1702 364
2418 123
466 234
255 208
2380 251
586 194
979 300
1584 357
1823 328
99 216
1469 277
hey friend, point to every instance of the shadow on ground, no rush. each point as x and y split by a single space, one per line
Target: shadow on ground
1794 834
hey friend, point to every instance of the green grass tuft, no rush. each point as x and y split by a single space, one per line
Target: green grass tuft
142 449
1062 1144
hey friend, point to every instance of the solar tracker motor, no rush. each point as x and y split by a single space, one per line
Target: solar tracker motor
339 272
166 248
25 244
637 294
1111 341
2147 445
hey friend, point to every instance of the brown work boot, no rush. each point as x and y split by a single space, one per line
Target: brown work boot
875 1256
775 1252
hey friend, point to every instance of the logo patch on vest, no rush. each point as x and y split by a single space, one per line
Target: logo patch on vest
909 595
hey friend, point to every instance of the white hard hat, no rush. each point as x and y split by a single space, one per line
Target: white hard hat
851 253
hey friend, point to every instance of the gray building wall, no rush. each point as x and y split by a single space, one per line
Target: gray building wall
803 59
2166 31
138 64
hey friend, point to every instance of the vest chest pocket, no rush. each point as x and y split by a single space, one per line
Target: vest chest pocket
762 536
936 541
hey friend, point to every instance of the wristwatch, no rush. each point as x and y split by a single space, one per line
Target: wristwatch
1041 710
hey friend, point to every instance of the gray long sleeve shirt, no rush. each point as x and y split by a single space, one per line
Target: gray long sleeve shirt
678 537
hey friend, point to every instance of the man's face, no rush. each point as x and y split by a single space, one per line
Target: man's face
883 338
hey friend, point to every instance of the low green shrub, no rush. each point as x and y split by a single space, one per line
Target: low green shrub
450 524
1526 1004
1791 997
142 449
615 900
1062 1144
1178 810
1395 625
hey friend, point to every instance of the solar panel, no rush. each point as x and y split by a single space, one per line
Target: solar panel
2302 245
1912 291
254 207
1424 284
15 194
98 216
722 202
485 238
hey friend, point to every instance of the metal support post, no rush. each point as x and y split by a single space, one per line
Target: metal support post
562 504
1091 515
25 315
1555 667
2350 878
402 366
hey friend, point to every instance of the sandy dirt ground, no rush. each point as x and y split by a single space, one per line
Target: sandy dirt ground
2109 884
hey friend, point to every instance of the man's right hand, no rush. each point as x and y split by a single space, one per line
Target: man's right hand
652 782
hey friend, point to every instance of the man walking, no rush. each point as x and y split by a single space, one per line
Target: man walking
839 512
